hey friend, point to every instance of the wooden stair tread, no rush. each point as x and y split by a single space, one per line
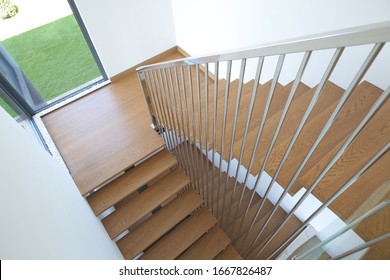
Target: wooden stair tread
148 200
278 101
239 231
371 139
353 111
273 224
295 112
229 253
236 210
330 95
160 223
129 182
291 225
374 177
208 246
256 117
242 113
182 237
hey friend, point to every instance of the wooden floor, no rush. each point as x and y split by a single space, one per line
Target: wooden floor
105 132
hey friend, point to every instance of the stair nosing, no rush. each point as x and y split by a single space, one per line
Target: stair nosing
121 183
131 253
110 222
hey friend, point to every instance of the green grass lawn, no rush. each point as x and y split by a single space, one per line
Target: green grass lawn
55 57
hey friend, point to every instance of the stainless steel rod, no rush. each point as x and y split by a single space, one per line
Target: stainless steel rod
238 100
305 117
183 128
278 70
169 113
297 80
361 35
259 68
354 223
153 90
146 92
334 115
162 108
199 92
195 150
329 201
215 109
363 246
152 100
189 145
176 121
225 107
206 94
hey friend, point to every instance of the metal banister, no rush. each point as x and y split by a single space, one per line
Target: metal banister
361 35
198 118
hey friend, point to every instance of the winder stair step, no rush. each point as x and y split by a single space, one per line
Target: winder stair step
148 200
182 237
159 224
130 181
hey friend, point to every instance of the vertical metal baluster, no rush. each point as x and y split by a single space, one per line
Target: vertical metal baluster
215 134
169 113
185 142
195 149
150 86
347 93
259 134
206 93
363 246
153 93
276 133
310 107
331 199
366 215
162 109
238 100
248 120
158 109
226 104
200 133
189 146
372 111
146 91
176 121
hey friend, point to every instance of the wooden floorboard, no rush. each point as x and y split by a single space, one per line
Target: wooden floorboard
160 223
127 215
129 182
208 246
182 237
105 132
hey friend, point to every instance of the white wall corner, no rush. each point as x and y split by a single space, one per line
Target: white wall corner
42 214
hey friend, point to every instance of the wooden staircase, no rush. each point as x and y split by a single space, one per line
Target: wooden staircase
154 211
156 214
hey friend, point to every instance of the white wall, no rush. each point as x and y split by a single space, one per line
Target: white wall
204 27
127 32
42 214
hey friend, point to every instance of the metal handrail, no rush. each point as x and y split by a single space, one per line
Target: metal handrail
366 34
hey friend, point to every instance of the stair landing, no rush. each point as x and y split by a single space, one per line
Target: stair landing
104 133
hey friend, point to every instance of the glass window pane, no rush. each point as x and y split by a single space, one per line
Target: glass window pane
45 41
